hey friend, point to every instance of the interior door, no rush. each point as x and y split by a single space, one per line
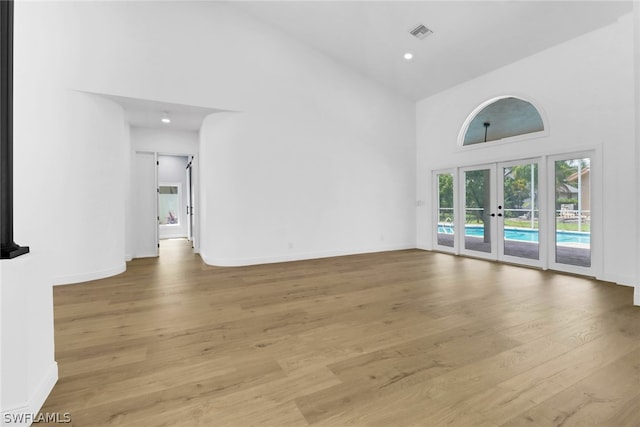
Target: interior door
518 212
145 204
478 222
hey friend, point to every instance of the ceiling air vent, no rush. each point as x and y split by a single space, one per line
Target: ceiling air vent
420 32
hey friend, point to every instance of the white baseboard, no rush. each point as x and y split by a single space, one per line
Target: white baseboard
618 280
25 414
624 284
86 277
241 262
145 255
44 388
636 296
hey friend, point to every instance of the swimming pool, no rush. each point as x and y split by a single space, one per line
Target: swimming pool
523 234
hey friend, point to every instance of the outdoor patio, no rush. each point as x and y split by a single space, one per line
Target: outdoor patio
564 254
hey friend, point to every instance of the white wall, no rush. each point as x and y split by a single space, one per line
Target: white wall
324 166
585 88
69 153
281 185
29 371
172 170
69 203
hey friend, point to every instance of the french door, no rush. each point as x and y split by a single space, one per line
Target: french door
501 217
535 212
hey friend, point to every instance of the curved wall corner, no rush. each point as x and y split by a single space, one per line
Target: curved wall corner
215 147
95 234
70 201
88 276
281 185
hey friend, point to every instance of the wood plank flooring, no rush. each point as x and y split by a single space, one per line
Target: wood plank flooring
408 338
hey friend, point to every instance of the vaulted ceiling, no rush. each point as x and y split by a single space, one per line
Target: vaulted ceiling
469 38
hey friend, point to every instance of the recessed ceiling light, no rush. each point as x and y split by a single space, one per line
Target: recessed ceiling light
166 118
408 56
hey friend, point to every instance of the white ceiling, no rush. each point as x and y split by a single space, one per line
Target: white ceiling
148 113
469 38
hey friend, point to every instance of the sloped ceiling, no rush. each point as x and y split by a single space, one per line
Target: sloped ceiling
469 38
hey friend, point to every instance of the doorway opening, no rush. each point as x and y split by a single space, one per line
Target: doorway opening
174 196
165 199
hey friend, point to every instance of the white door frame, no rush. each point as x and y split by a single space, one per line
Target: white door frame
194 211
196 188
196 192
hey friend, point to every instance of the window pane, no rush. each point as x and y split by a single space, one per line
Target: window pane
520 184
501 119
168 205
446 219
477 227
573 212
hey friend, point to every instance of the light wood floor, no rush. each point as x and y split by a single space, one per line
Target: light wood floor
407 338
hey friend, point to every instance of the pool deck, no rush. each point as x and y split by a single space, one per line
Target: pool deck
571 255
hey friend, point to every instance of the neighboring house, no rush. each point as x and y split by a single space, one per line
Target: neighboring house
566 192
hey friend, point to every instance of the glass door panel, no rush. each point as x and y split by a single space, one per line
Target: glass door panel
519 211
445 227
477 221
573 212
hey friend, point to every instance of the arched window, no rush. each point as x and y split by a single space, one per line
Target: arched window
501 118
